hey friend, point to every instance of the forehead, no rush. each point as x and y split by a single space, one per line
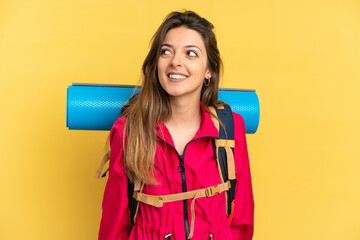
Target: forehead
182 36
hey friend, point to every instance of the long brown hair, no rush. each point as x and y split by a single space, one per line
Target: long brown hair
152 104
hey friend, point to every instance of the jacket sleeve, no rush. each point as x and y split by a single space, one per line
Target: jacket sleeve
115 223
242 224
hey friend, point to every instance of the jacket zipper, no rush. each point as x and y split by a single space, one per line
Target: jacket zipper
184 189
181 169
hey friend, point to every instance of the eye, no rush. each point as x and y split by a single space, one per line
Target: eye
165 51
192 53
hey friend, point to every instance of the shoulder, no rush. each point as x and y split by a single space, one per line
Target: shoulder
119 123
239 126
117 128
238 119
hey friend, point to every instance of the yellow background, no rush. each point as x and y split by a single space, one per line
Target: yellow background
302 57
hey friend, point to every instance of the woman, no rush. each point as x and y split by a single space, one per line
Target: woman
164 140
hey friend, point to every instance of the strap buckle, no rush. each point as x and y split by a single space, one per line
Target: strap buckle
213 190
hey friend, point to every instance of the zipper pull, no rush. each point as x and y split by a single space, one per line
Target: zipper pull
211 236
168 236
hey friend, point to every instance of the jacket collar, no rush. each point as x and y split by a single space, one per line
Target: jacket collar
206 129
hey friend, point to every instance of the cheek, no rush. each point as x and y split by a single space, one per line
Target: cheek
161 66
199 70
161 72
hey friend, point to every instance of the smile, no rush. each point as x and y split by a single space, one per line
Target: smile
176 76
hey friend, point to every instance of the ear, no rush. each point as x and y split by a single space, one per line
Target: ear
208 74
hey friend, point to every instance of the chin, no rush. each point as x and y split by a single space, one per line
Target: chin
175 93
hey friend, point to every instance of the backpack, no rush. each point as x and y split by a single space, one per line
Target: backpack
224 154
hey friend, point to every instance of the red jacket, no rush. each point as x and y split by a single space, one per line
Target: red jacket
200 172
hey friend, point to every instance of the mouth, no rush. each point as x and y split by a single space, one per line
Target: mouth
177 76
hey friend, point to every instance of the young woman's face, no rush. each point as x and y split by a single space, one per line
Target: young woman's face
182 65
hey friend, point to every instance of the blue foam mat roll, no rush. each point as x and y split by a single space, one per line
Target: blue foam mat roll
97 106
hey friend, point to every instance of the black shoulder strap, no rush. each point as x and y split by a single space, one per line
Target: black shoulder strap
226 131
132 202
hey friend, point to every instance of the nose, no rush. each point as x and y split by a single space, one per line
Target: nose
176 60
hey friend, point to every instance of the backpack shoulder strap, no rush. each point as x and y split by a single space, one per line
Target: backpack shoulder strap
134 188
105 158
224 151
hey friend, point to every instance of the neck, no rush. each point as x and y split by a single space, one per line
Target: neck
184 112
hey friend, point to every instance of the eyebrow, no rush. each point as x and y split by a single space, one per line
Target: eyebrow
187 46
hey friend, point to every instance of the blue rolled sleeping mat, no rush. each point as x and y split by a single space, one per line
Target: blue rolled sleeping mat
97 106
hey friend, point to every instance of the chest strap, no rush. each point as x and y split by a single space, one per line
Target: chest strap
158 201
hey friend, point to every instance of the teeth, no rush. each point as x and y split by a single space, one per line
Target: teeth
177 76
